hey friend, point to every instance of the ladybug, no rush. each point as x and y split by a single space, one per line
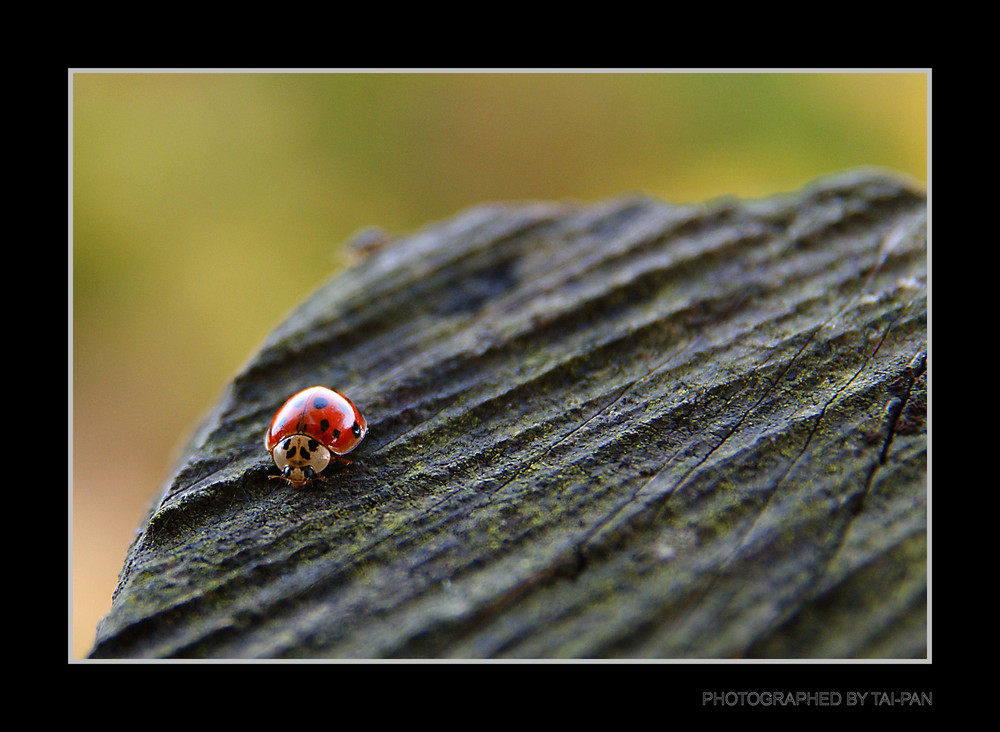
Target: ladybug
312 428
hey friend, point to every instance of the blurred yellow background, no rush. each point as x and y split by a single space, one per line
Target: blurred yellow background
206 205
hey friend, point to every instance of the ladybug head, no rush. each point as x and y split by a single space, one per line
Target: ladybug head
300 459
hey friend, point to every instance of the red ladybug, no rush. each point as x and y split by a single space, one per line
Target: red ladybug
312 428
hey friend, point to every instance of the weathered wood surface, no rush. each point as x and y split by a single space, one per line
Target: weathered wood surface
621 430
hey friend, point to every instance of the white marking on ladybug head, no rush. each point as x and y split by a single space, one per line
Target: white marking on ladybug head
300 459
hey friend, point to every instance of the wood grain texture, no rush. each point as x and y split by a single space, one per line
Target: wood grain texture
619 430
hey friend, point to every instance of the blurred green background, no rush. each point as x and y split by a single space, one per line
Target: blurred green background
205 206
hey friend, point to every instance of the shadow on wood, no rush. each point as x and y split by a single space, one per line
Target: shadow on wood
618 430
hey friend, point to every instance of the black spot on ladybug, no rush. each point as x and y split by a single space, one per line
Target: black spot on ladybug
336 435
320 403
313 445
356 429
289 453
324 425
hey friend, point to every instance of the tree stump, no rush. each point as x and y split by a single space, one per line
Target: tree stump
627 429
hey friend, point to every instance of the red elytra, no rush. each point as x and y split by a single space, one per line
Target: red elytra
316 414
323 414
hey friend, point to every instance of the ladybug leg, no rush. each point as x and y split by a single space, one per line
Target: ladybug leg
285 475
341 459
